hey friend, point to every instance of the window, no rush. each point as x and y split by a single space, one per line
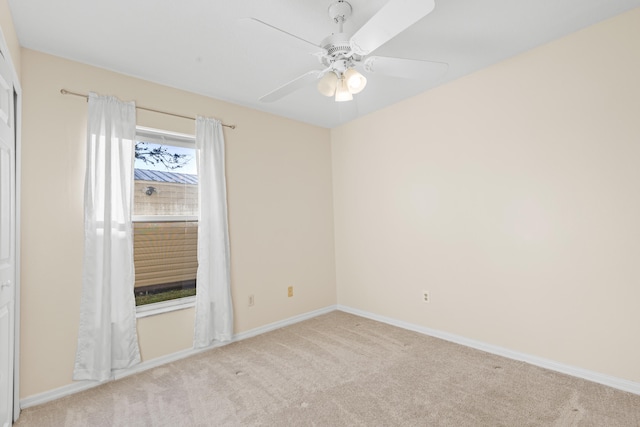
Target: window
165 216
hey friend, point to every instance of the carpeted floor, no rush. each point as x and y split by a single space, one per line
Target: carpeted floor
343 370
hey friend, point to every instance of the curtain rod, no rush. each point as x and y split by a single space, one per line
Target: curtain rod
68 92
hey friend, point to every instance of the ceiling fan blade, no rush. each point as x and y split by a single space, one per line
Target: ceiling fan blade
294 85
405 68
394 17
261 27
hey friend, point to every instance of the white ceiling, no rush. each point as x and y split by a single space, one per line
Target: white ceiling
206 47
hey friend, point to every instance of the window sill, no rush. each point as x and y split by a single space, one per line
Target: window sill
165 307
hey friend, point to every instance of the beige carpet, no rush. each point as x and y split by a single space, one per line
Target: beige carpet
343 370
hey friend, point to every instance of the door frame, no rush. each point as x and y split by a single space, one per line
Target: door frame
17 98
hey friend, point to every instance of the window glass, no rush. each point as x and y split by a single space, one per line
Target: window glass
165 213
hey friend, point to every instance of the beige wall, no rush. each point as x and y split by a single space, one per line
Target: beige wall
9 33
280 213
513 196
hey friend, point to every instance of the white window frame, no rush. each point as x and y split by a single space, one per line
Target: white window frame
175 139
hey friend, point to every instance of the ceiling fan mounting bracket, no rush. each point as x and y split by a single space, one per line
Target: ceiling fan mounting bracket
340 11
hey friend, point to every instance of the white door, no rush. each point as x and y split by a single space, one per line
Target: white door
7 241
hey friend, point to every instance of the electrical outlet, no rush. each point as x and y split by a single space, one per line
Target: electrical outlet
252 300
290 291
426 298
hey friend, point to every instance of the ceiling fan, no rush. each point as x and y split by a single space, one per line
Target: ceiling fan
343 56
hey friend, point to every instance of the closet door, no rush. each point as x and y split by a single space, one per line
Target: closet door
7 242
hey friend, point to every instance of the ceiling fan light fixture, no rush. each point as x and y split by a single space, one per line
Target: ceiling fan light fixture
355 81
328 83
342 91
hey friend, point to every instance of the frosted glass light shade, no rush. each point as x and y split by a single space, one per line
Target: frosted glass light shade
327 84
355 81
342 91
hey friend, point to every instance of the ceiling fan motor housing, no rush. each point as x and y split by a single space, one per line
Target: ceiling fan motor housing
339 55
336 45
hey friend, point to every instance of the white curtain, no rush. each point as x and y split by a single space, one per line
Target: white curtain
107 338
214 311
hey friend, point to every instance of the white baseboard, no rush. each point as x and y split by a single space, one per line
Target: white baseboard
78 386
57 393
614 382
